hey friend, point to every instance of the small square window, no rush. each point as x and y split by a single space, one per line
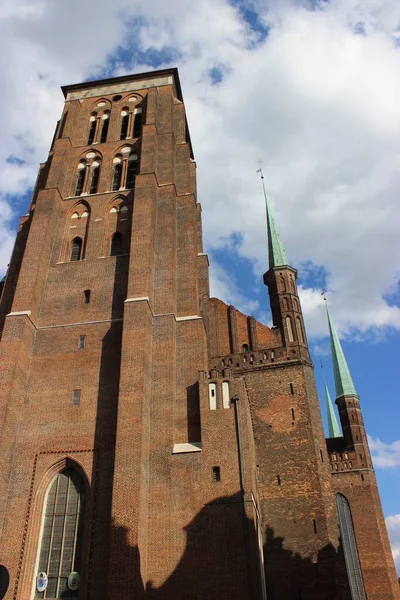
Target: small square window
76 397
82 342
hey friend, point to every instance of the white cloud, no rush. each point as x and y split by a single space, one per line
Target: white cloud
393 527
384 455
317 103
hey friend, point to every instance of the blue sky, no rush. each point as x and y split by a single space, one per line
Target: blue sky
309 88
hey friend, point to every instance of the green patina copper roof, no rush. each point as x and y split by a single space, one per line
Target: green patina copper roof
276 251
343 382
333 426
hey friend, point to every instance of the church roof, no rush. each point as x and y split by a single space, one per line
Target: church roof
343 382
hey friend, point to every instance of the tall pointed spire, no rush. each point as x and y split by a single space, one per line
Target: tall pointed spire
343 382
276 251
333 426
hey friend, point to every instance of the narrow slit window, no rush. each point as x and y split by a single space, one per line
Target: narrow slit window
76 397
293 415
104 128
278 479
82 342
315 525
76 249
291 385
137 124
86 295
216 474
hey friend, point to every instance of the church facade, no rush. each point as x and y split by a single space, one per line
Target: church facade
155 442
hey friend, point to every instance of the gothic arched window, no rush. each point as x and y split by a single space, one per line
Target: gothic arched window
61 542
289 329
116 244
137 123
117 173
92 128
80 178
76 249
95 174
104 128
350 548
124 124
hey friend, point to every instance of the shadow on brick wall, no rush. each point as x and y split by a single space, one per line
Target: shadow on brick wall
105 434
220 564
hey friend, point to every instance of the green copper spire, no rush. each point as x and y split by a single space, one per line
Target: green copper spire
333 426
276 251
343 382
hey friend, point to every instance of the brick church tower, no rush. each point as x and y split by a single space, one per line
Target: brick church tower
155 442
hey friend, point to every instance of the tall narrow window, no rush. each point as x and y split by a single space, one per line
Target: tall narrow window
116 244
117 174
212 395
92 128
289 329
95 174
80 178
124 124
104 127
76 249
137 124
225 394
131 171
86 294
61 543
350 548
300 335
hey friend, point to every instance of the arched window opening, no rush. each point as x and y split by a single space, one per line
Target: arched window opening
285 304
300 335
289 329
116 244
350 548
75 215
76 249
212 395
92 129
137 124
61 543
80 178
104 127
226 401
124 209
124 124
117 174
283 285
131 171
95 174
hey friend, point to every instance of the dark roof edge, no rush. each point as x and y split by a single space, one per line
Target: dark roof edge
87 84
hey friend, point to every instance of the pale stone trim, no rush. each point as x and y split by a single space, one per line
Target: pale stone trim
188 447
120 88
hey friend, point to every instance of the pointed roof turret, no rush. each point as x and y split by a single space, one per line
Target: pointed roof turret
333 426
343 382
276 251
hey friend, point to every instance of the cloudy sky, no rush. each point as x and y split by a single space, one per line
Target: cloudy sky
312 90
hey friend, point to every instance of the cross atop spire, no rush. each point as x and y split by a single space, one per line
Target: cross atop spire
276 251
333 427
343 382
